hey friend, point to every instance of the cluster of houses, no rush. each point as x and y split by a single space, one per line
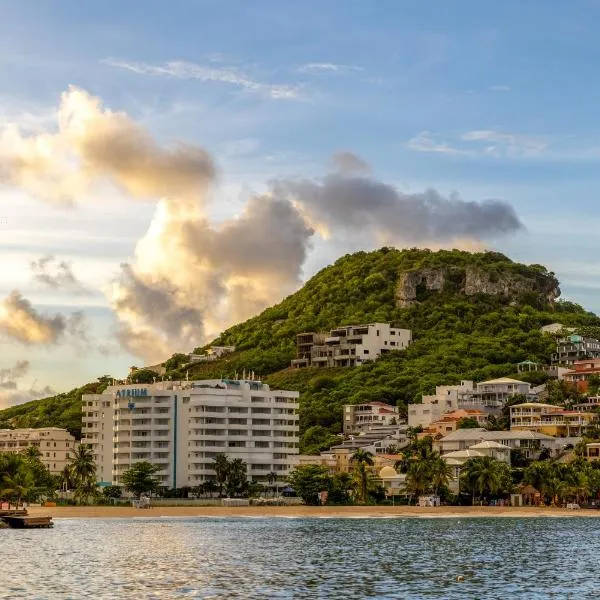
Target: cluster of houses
536 426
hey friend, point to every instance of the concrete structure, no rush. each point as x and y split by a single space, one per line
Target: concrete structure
450 422
488 397
55 445
551 420
528 415
361 417
458 458
394 483
529 442
581 372
446 399
349 345
592 451
182 426
213 353
574 348
325 459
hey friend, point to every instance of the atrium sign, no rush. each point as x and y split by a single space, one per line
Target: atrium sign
132 393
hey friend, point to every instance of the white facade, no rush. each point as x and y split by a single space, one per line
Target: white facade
182 426
432 408
361 417
350 345
55 445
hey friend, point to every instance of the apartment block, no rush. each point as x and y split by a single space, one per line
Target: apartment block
575 348
488 397
350 345
55 445
362 417
183 426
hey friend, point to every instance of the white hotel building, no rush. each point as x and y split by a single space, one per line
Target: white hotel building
182 426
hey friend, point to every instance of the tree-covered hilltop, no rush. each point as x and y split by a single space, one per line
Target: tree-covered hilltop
62 410
473 316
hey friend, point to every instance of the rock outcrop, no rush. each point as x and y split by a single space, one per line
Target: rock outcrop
471 281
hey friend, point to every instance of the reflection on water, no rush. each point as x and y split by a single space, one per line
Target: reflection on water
303 558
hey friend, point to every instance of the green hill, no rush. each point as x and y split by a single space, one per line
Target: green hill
473 316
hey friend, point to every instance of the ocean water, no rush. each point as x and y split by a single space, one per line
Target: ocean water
303 558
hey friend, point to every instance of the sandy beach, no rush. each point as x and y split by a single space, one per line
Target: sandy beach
110 512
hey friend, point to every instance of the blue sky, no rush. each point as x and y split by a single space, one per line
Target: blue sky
488 100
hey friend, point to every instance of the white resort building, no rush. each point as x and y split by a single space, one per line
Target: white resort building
55 445
349 346
182 426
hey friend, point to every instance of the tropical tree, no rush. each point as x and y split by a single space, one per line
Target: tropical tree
140 478
361 460
309 481
440 473
221 469
484 476
340 490
273 480
237 478
18 485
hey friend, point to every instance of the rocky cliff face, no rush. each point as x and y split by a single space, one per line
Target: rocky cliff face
471 281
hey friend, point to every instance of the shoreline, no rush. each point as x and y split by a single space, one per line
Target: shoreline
302 512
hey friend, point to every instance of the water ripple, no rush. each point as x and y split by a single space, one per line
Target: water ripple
302 558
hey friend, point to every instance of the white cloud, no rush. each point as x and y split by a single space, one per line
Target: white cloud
509 144
227 75
482 142
499 88
328 68
423 142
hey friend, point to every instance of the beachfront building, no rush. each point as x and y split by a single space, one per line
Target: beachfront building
54 444
349 345
361 417
182 426
592 451
530 443
458 458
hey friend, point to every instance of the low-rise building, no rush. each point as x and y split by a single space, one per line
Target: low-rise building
528 415
451 421
574 348
361 417
349 345
581 372
56 446
488 397
434 406
592 451
213 353
529 442
458 458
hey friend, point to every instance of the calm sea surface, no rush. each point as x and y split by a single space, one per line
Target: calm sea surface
303 558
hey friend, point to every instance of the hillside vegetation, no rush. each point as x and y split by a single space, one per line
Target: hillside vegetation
483 317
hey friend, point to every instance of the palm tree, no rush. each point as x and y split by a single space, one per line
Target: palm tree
222 468
362 459
440 472
272 478
482 476
83 471
18 486
418 477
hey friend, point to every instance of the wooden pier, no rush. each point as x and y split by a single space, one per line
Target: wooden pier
19 519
